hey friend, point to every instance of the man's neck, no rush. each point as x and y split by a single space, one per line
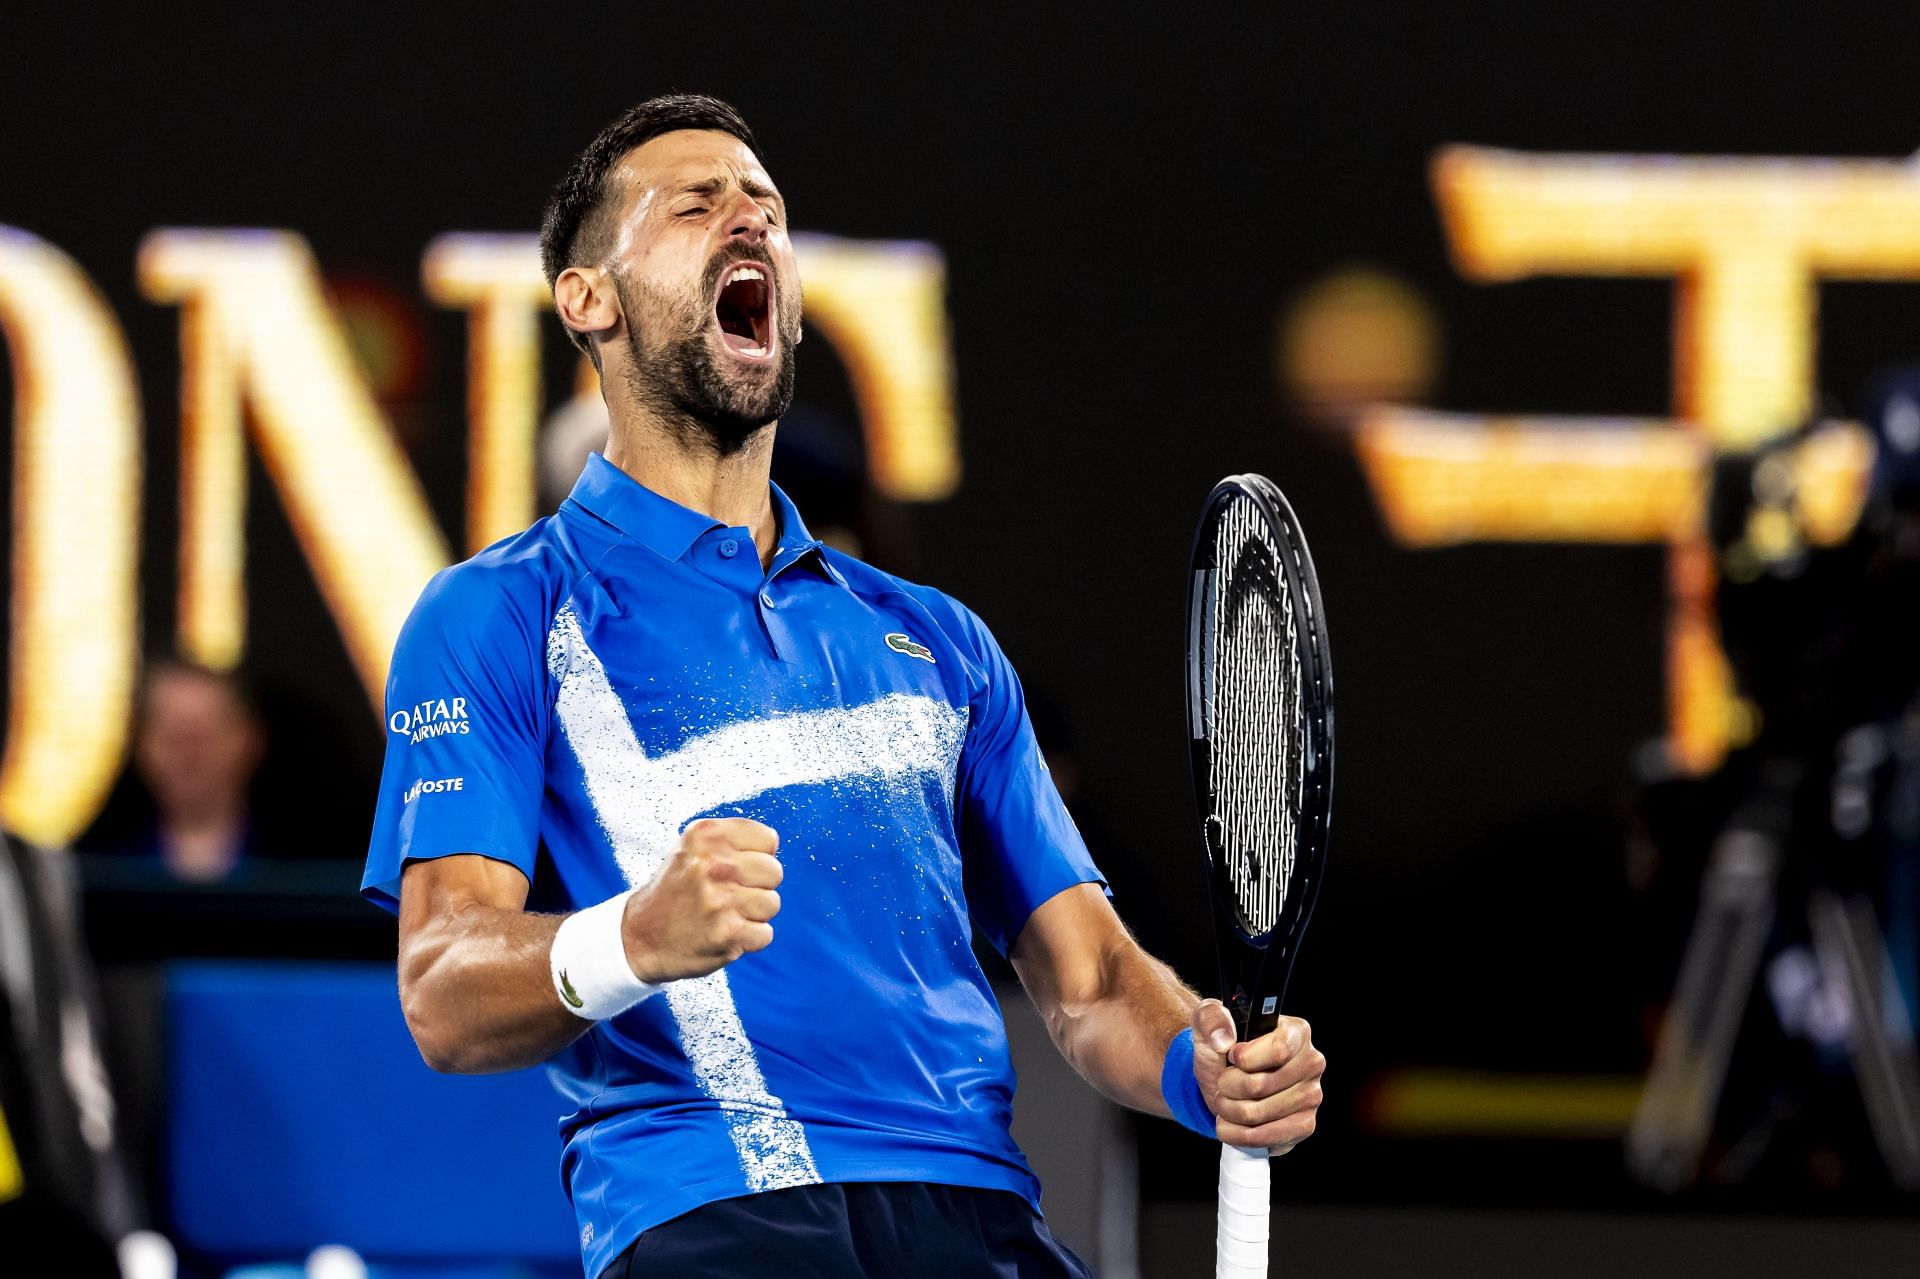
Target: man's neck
732 488
204 844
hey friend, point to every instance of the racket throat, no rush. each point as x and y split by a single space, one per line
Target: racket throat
1254 1015
1256 982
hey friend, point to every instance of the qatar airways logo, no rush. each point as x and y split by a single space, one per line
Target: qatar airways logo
431 719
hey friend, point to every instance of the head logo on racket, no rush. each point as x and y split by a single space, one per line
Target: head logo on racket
901 644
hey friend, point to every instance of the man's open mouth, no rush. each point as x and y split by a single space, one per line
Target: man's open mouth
744 309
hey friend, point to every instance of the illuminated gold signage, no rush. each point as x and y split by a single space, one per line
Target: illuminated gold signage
882 305
76 519
264 360
496 279
256 332
1746 242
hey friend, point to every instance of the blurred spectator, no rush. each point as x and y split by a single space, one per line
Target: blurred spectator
197 747
572 432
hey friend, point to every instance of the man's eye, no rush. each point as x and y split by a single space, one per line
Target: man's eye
695 211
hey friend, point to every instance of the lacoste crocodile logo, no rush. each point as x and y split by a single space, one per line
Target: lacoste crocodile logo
901 644
568 993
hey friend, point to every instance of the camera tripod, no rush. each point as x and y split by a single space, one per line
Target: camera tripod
1741 899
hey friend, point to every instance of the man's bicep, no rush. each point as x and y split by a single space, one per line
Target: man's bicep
1063 952
435 888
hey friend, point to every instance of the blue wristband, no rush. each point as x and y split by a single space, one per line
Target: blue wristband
1182 1091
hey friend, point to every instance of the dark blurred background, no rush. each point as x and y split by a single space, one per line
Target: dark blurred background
1133 204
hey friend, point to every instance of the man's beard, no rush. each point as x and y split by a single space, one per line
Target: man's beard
681 379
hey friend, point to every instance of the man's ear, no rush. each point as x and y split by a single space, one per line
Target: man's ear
586 300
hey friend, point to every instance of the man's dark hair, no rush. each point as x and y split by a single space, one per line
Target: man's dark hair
576 229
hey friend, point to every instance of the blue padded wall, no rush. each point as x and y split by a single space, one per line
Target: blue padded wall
300 1113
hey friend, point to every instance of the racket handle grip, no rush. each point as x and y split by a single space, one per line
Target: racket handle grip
1241 1242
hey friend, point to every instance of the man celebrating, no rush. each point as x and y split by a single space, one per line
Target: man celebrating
627 739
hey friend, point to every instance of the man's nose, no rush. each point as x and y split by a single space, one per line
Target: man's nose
746 219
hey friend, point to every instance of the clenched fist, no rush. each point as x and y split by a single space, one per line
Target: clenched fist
711 903
1264 1092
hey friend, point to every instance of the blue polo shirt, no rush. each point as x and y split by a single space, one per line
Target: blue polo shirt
568 700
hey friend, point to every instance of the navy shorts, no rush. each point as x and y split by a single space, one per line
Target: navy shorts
854 1230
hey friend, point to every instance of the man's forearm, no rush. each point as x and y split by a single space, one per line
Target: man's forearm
1121 1041
1115 1029
477 990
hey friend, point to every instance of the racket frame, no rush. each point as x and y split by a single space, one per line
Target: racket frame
1255 967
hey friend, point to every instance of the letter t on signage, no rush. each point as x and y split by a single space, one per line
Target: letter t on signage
1747 241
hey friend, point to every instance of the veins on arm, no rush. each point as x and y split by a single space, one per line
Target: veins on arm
1110 1007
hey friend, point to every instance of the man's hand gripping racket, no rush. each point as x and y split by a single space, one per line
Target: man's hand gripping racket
1260 710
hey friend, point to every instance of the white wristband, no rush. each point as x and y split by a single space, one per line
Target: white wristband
589 960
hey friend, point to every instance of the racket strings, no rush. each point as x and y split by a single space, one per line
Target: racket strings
1257 751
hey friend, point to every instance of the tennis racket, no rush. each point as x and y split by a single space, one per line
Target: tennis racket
1260 708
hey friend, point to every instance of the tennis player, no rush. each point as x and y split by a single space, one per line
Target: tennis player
701 811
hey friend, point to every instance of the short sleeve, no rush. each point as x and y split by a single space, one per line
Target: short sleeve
466 725
1018 844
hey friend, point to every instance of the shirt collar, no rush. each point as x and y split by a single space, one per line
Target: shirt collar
665 527
793 530
670 529
796 544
